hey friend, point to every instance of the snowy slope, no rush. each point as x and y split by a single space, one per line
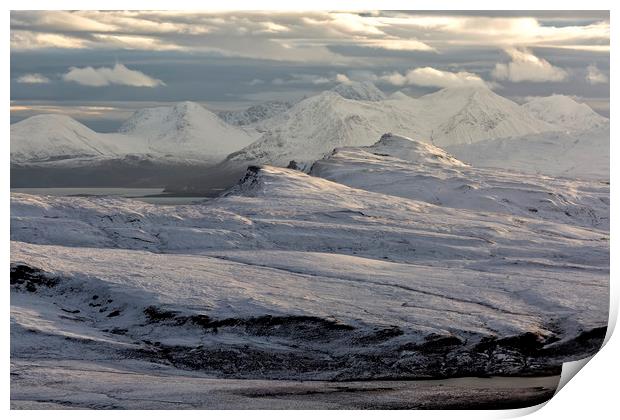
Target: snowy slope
566 113
359 91
55 137
314 126
186 129
579 154
409 168
255 113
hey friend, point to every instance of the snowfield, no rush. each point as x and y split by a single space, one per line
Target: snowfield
293 276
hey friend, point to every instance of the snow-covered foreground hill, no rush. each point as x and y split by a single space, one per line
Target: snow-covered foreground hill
291 276
409 168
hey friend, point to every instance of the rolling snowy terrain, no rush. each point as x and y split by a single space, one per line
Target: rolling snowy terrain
291 276
413 169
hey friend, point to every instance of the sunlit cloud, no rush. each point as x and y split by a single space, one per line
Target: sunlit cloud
105 76
397 44
428 76
33 79
25 40
499 31
525 66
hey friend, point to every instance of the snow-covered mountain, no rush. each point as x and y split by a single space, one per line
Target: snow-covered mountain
314 126
276 133
254 113
186 130
472 114
359 91
179 133
578 154
45 138
563 111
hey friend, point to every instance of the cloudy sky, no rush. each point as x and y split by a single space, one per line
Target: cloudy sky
100 66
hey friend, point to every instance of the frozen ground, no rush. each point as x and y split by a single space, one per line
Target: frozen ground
289 276
75 384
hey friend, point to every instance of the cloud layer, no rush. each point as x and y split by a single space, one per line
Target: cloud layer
525 66
105 76
282 34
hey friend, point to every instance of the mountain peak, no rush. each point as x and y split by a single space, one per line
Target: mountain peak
359 91
47 137
412 150
565 112
52 119
188 128
398 95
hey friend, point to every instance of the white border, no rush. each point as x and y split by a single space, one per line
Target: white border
591 395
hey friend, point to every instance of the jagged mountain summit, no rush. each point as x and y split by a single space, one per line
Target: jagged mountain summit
255 113
565 112
359 91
